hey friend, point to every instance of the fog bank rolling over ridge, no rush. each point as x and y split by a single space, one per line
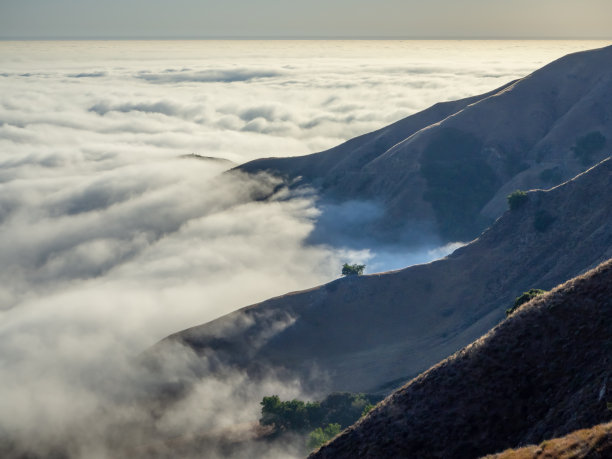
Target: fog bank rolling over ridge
109 240
367 333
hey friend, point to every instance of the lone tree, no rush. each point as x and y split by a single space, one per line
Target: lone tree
524 298
352 270
516 199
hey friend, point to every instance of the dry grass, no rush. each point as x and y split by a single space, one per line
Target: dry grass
540 374
591 443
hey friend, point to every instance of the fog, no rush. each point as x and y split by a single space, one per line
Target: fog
114 235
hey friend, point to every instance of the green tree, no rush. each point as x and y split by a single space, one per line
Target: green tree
321 436
293 415
516 199
367 409
524 298
352 270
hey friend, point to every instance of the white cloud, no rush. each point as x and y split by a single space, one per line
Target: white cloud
109 241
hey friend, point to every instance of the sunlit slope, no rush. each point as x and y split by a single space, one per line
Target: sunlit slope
542 373
363 333
593 443
451 166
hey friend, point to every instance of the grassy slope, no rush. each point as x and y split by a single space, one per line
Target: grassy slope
517 132
366 331
593 443
540 374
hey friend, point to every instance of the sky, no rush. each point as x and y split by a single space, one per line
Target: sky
76 19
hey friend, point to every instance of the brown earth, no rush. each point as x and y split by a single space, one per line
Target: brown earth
543 373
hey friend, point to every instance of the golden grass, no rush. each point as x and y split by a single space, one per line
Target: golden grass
595 442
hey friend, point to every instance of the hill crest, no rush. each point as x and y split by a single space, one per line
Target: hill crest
541 373
449 168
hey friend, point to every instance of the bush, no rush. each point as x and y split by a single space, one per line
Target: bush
352 270
516 199
367 409
321 436
524 298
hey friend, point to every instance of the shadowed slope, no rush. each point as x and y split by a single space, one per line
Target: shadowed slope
452 165
542 373
370 333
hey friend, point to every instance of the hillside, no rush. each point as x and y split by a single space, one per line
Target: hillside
451 166
371 333
593 443
540 374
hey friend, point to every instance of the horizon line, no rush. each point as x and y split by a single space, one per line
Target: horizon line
299 37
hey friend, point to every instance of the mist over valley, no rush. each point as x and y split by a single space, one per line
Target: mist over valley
127 216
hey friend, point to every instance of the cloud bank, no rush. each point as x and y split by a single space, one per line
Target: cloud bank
114 235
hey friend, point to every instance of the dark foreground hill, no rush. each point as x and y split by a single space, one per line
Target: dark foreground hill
593 443
451 166
372 333
543 373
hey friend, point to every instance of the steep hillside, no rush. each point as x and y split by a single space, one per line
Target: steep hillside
452 165
593 443
371 333
542 373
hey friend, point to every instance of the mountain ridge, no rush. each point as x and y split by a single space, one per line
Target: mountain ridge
363 332
540 374
521 135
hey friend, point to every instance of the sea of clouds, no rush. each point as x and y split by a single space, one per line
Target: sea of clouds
114 235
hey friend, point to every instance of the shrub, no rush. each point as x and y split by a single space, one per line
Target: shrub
321 436
516 199
352 270
367 409
524 298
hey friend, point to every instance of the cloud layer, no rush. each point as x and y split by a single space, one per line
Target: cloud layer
113 235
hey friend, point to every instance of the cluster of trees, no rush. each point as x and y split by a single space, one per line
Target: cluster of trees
319 421
320 436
